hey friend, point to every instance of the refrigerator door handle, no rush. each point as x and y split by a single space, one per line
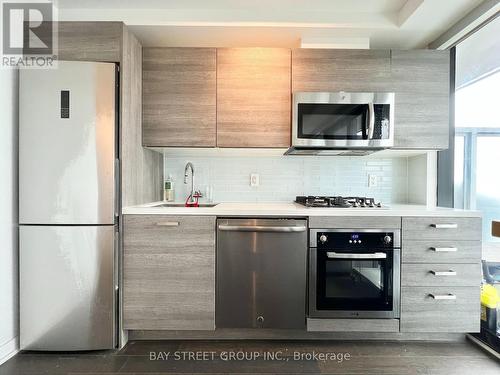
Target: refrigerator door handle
117 187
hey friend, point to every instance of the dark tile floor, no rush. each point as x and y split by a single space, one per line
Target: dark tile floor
290 357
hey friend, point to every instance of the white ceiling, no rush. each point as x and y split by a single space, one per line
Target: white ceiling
271 23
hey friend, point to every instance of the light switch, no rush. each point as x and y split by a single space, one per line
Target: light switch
254 180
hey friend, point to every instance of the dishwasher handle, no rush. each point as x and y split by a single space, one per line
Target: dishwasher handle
261 228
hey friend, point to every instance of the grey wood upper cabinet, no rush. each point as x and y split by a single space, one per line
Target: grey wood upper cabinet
421 81
253 97
179 88
419 78
89 41
340 70
169 272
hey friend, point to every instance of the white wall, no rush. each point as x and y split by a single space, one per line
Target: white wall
284 177
9 322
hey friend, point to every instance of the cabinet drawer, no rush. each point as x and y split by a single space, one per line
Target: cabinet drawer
442 228
420 312
435 251
153 233
389 222
447 274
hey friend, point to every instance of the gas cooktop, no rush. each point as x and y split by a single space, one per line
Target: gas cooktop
338 202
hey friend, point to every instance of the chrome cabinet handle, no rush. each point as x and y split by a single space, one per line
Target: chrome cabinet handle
443 249
334 255
168 224
261 228
443 296
445 226
444 273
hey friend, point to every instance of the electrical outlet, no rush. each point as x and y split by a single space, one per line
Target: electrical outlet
372 180
254 180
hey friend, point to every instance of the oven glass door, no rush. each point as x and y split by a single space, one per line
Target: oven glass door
351 280
333 121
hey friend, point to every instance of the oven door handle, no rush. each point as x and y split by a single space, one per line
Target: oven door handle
334 255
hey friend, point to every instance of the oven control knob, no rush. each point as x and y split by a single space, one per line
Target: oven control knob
322 238
387 240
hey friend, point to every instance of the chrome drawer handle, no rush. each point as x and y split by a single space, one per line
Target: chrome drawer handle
445 226
334 255
443 296
444 273
168 223
443 249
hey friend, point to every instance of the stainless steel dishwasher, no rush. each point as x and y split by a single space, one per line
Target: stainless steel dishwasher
261 273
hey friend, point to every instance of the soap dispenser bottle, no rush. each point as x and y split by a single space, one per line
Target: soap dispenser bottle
168 193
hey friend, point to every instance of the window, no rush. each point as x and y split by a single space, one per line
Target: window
477 131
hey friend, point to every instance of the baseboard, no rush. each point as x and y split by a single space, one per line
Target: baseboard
269 334
9 350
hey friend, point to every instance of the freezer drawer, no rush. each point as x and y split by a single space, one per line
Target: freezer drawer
261 273
67 292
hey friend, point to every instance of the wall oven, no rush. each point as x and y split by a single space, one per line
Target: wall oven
323 121
354 273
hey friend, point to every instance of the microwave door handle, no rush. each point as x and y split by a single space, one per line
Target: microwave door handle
371 120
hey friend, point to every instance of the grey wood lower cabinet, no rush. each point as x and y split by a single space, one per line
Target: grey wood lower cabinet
422 310
440 274
169 272
442 228
441 251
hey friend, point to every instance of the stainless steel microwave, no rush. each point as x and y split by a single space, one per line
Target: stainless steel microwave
329 121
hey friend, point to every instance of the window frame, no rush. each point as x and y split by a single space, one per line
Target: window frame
470 160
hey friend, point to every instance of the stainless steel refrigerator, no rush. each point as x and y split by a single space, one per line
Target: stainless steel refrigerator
68 189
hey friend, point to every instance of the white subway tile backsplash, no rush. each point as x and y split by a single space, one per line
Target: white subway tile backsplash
283 178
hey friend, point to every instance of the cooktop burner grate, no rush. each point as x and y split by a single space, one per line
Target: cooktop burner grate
338 202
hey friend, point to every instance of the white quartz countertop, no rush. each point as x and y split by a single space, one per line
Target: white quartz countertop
294 209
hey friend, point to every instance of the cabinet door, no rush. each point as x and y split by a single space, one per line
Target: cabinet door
421 81
253 97
179 97
340 70
169 272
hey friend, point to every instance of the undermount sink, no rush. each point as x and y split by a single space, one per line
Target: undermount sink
200 205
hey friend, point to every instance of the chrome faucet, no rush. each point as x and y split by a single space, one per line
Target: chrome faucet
193 194
188 166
